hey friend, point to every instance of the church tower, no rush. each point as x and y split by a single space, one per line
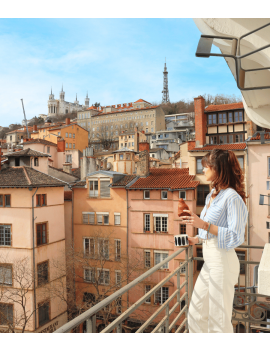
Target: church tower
76 101
51 96
62 94
87 100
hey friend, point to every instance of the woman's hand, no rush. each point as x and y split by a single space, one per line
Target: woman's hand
193 220
192 240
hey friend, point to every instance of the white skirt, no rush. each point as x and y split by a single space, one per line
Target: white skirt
210 309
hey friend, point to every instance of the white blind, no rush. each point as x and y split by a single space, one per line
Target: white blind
104 188
160 215
116 219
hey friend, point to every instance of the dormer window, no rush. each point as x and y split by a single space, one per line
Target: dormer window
36 161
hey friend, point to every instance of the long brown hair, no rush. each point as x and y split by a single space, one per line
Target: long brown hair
228 171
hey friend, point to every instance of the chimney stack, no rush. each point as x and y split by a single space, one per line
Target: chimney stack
67 121
61 145
34 128
143 164
67 167
200 121
144 145
87 162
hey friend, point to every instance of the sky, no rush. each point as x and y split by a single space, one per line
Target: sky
114 60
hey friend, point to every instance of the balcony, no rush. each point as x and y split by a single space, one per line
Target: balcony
251 311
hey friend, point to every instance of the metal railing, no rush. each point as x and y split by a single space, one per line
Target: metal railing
90 315
251 312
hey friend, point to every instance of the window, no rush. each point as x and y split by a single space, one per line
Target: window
42 234
147 259
119 305
213 139
161 295
88 217
242 257
118 278
103 249
43 313
48 149
41 200
182 229
117 244
73 136
117 218
103 276
69 158
222 118
238 116
104 188
42 273
183 269
5 235
160 256
164 195
231 139
223 139
5 274
66 145
146 222
6 314
267 185
89 247
70 135
210 119
66 135
267 225
5 200
199 167
160 223
230 115
89 275
121 156
202 192
147 289
36 161
70 145
103 218
93 188
241 161
146 193
182 195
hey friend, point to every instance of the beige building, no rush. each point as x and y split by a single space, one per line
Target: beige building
110 121
131 140
16 136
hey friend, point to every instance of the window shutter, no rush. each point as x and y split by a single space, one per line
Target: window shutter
104 188
92 218
85 218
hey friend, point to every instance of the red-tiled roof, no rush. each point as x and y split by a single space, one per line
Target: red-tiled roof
141 100
25 177
126 109
124 181
258 136
39 141
237 146
173 178
21 130
224 107
27 153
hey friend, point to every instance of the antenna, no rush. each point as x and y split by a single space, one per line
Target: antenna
165 91
25 120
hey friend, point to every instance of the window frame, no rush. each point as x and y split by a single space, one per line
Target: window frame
162 291
46 234
40 281
89 254
204 196
117 215
147 288
161 216
117 247
144 197
93 275
4 200
8 305
103 282
197 159
41 305
147 259
162 253
162 194
95 191
4 226
41 200
4 283
182 191
145 216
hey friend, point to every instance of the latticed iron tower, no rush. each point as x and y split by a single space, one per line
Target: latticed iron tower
165 91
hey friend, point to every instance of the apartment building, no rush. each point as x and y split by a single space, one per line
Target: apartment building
110 121
131 140
32 246
76 137
16 136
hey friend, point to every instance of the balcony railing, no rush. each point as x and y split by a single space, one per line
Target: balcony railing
251 312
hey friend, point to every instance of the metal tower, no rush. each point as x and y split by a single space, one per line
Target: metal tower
165 91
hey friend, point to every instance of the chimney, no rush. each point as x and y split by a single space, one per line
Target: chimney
67 121
87 162
24 128
61 145
67 166
200 121
34 128
144 146
104 164
143 164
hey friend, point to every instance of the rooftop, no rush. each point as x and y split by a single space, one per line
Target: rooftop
26 177
21 130
258 136
124 181
39 141
224 107
173 178
27 153
236 146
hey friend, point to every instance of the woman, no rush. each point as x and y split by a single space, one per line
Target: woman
221 229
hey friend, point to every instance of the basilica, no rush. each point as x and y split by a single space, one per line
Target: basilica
61 107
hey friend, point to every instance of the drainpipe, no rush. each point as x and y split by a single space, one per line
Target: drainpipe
127 253
34 260
72 238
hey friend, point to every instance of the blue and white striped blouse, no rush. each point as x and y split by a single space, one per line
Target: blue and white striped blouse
229 212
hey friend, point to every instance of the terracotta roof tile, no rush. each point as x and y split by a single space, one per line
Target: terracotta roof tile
25 177
141 100
236 146
28 153
173 178
224 107
30 129
80 183
39 141
124 181
258 136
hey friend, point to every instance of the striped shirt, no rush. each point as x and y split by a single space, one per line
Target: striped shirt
229 212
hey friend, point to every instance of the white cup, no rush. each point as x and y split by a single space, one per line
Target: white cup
181 240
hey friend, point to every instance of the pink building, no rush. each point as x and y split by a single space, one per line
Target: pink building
32 249
153 222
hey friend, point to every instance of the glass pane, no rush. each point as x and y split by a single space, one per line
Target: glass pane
214 119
